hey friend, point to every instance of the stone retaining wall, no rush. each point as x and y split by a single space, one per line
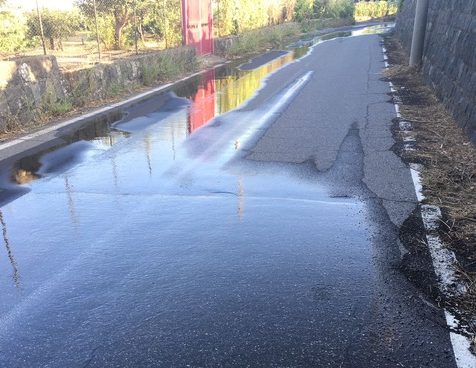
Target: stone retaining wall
449 59
34 86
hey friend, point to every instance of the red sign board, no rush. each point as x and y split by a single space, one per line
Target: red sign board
197 25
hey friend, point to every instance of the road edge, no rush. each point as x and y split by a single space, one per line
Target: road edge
442 257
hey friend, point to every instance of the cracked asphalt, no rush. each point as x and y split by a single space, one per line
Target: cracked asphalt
241 219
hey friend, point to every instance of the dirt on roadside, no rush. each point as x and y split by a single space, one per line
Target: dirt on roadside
448 159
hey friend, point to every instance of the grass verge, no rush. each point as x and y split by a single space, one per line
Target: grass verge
449 172
273 37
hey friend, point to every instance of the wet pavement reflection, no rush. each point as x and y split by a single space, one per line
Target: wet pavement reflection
146 238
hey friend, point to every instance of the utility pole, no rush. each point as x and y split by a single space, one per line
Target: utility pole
97 29
419 30
42 34
135 27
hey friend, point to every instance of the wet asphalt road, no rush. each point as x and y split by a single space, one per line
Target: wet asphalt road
248 218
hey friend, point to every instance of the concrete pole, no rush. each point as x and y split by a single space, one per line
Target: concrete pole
42 33
419 29
97 29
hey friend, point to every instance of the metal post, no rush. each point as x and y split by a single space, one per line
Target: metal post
42 34
97 29
135 28
419 29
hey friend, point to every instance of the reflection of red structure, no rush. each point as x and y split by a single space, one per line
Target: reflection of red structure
203 106
197 25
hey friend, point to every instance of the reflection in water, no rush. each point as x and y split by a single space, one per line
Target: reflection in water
69 191
148 149
24 176
203 102
219 91
331 36
97 132
16 274
211 94
241 198
171 120
115 179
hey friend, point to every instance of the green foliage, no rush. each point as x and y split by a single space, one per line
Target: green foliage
57 25
150 73
12 32
167 66
53 106
238 16
304 10
270 37
105 28
58 108
376 9
334 8
119 20
114 89
119 10
163 19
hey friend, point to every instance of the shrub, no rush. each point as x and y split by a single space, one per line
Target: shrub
376 9
12 32
334 8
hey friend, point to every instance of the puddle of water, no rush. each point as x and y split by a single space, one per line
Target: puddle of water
205 98
360 31
174 115
135 237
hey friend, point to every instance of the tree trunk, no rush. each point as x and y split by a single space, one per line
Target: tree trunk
121 18
118 36
141 32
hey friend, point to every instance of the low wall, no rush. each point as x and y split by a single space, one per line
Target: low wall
24 85
34 87
449 58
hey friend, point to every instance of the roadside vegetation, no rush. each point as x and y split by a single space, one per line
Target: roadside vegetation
149 25
449 172
365 10
273 37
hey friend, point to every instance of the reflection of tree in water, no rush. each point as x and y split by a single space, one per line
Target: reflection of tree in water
69 192
241 198
233 90
26 168
16 274
24 176
189 88
148 151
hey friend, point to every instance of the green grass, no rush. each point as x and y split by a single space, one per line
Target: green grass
278 36
263 38
167 66
150 73
58 108
376 9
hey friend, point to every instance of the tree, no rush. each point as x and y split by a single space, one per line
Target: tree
57 26
12 32
163 19
304 10
120 10
334 8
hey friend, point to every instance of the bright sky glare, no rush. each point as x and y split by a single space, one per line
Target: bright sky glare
52 4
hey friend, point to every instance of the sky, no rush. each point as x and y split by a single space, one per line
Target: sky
53 4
